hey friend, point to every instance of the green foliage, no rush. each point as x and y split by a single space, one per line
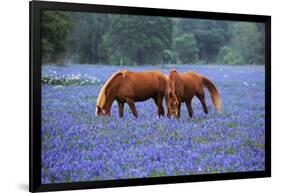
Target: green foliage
55 29
94 38
228 55
170 57
116 58
140 40
87 38
210 36
186 46
248 41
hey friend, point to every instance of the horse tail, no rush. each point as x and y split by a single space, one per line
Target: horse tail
213 91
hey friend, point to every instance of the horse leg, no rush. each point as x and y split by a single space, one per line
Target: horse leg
158 100
189 108
179 108
161 110
201 97
120 108
132 107
168 108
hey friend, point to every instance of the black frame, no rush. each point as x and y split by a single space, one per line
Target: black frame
35 95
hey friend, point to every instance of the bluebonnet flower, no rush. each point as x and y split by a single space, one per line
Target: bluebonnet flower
77 146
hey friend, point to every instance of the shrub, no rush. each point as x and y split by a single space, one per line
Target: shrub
228 55
69 79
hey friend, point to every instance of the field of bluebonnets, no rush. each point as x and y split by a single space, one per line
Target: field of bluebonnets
77 146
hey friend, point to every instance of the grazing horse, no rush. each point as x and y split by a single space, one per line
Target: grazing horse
130 87
182 87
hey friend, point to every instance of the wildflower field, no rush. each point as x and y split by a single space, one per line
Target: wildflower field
77 146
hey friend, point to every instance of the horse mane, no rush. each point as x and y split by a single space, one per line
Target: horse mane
173 75
102 95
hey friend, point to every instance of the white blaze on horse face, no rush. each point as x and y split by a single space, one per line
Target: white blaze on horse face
100 111
175 114
97 111
103 112
173 105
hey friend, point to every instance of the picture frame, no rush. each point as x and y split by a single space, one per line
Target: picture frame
35 182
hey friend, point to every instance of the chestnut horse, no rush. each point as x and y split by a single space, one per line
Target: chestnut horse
182 87
130 87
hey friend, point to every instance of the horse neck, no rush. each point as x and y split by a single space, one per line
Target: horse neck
108 103
110 98
176 82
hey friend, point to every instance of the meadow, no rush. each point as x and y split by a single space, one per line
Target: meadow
77 146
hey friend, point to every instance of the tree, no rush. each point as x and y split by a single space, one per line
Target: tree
210 36
169 57
228 55
55 29
186 47
87 38
139 39
248 41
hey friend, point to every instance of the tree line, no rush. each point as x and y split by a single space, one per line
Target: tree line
92 38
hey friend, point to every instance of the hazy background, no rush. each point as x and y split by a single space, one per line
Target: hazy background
91 38
86 46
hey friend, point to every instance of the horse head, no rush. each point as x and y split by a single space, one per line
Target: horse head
173 101
102 111
173 104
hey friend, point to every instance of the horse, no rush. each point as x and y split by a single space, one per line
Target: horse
130 87
182 87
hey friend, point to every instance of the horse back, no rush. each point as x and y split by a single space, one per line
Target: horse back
192 83
142 85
